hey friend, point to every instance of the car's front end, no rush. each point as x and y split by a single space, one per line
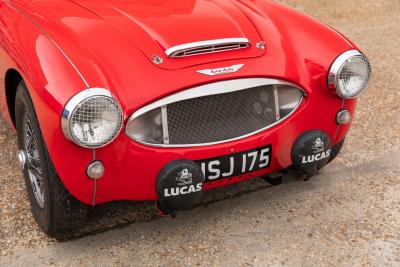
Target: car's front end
170 100
231 129
236 107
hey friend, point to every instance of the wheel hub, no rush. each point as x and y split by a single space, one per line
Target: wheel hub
22 159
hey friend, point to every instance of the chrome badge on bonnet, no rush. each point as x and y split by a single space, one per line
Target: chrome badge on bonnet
224 70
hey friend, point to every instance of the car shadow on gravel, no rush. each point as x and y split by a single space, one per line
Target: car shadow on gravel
121 214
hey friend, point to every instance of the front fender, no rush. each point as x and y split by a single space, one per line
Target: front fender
51 80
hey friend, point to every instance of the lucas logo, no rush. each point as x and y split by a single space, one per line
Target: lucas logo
316 157
184 177
318 145
184 190
318 148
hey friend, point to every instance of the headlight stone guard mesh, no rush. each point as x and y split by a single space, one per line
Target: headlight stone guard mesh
93 113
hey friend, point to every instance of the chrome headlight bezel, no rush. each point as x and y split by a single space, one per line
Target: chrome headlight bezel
79 99
336 69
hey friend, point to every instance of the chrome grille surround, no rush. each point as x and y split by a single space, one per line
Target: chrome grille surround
207 47
177 117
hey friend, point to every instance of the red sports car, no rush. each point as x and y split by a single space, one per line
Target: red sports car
163 99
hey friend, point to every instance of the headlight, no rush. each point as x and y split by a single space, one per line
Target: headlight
349 74
92 118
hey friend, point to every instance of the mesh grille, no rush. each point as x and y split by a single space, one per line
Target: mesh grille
221 117
96 121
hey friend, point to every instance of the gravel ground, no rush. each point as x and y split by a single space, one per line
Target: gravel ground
346 215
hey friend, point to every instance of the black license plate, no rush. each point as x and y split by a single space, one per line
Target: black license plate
236 164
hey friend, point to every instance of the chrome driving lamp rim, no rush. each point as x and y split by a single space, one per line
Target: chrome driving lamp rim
75 102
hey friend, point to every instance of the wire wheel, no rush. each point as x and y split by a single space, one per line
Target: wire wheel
33 165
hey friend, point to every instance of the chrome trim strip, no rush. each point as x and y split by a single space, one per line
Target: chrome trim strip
277 107
224 141
214 89
175 49
211 89
164 119
74 102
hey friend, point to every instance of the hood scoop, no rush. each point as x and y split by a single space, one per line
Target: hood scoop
207 47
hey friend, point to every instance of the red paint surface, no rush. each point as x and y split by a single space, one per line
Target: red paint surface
111 44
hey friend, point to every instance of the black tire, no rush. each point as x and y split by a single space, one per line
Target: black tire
335 151
57 212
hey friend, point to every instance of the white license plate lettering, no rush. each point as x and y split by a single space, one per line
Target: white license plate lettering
244 163
236 164
264 158
232 167
213 169
253 156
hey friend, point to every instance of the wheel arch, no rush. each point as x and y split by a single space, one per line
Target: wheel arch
11 81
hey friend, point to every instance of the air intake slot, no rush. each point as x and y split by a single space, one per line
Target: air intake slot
207 47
